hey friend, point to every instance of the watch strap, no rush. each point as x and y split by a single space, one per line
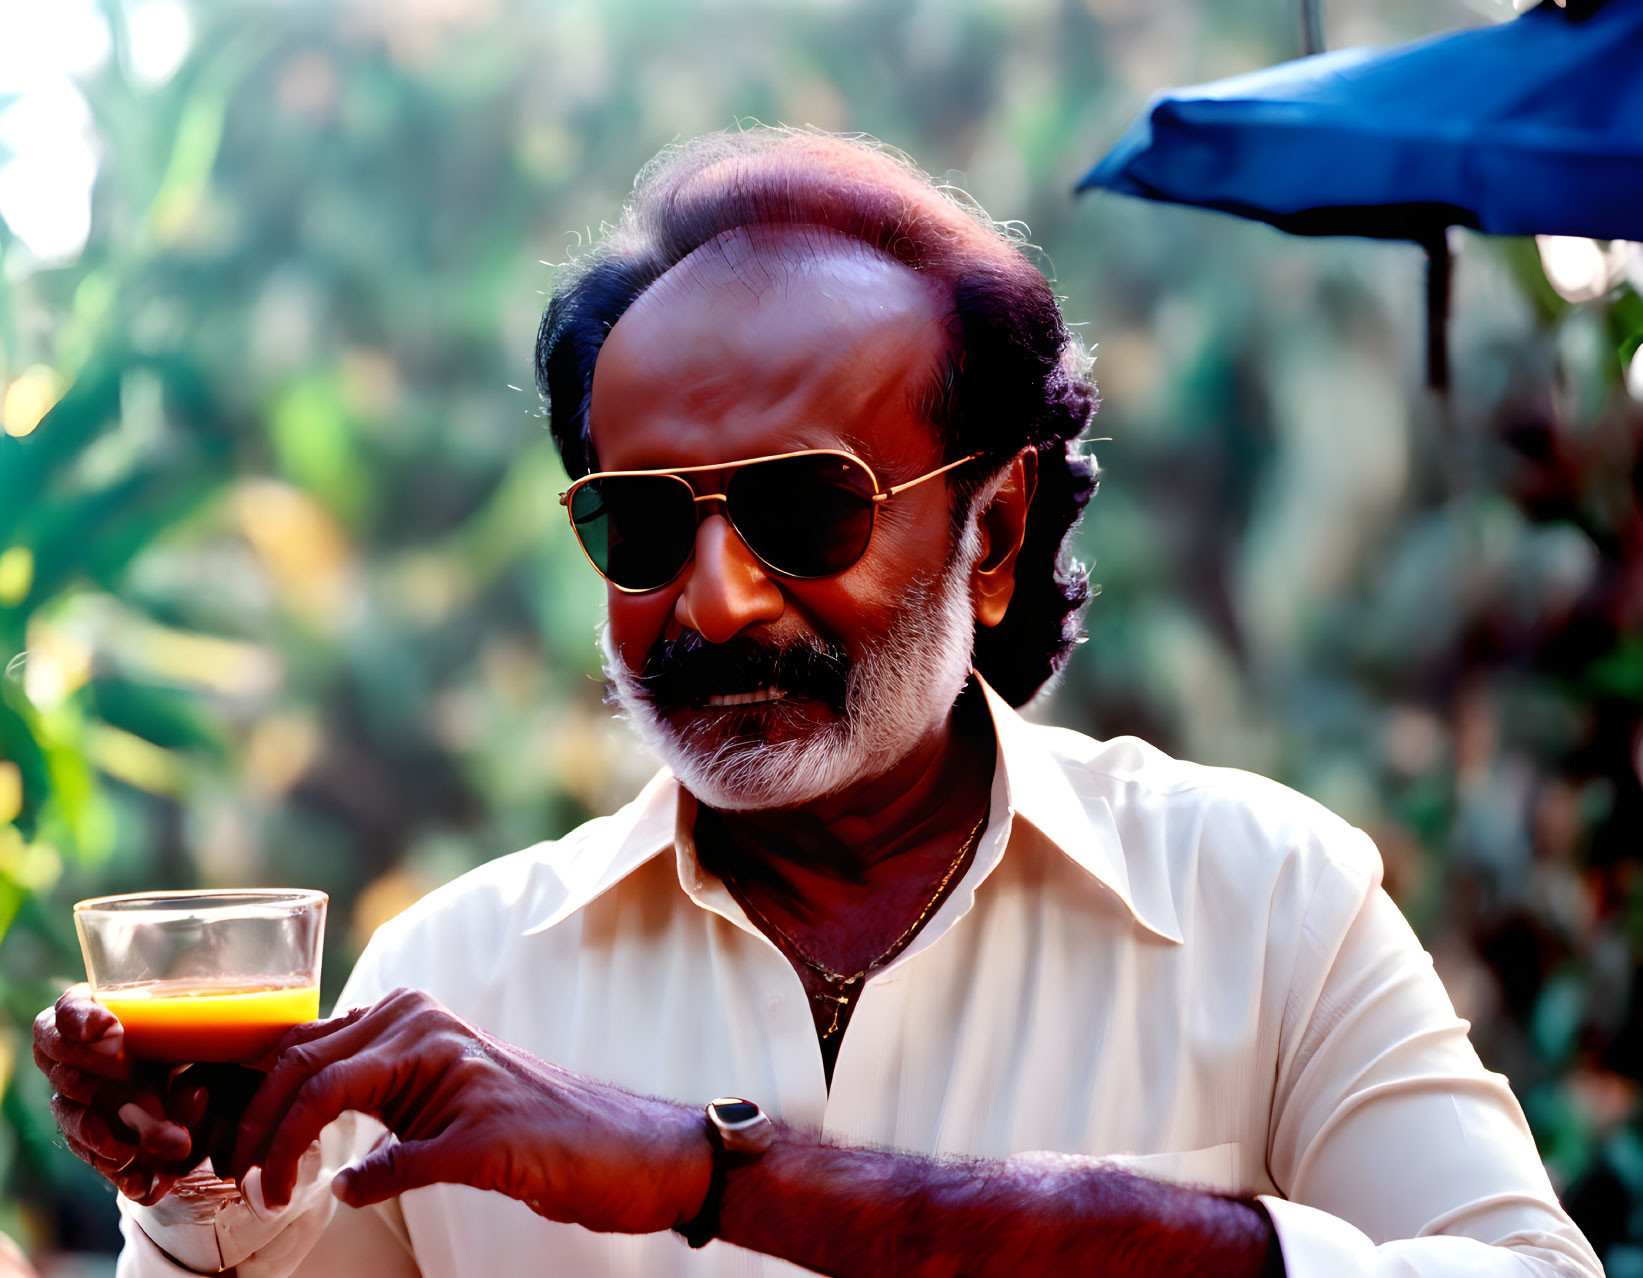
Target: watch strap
703 1227
738 1132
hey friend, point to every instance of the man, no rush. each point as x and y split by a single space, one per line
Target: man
1018 1002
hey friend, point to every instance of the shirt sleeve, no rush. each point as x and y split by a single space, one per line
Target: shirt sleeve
208 1227
1396 1152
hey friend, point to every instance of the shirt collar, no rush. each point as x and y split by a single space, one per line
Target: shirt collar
1061 802
1038 787
634 835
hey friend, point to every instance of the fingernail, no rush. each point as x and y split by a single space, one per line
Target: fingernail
251 1191
136 1186
156 1135
110 1045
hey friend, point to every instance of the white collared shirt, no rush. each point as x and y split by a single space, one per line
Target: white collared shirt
1192 972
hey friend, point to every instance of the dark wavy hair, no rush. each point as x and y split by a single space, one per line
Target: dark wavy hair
1014 377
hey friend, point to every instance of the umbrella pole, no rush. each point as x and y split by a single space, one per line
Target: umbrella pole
1440 265
1454 455
1312 27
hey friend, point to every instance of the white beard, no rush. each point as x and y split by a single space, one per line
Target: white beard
896 693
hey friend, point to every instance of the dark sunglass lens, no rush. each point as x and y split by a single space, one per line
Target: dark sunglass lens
806 516
637 529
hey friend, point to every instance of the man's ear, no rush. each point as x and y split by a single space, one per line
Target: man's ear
1003 526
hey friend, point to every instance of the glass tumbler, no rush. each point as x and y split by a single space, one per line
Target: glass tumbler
205 976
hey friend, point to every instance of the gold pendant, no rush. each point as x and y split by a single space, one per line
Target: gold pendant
838 1001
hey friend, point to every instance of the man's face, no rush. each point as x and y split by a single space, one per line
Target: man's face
760 690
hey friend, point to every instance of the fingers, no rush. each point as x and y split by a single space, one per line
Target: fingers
309 1032
80 1046
73 1084
354 1083
93 1059
315 1030
81 1018
159 1138
146 1186
298 1061
91 1138
92 1088
135 1183
389 1170
104 1057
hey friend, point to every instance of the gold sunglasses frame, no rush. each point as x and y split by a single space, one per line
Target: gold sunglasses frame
880 496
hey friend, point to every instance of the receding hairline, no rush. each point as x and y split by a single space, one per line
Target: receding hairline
758 258
843 175
748 263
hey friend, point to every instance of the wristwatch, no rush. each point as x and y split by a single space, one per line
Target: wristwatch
739 1132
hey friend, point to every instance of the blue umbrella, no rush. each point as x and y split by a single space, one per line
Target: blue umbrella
1528 127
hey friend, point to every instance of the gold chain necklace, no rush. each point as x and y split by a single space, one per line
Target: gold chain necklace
841 999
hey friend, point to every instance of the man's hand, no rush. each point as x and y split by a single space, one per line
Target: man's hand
469 1109
130 1120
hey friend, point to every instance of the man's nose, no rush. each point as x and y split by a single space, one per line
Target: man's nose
726 588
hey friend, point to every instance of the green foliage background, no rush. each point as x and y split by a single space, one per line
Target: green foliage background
285 594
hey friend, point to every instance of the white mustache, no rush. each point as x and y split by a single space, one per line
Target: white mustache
896 691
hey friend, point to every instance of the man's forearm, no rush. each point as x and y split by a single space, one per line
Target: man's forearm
865 1213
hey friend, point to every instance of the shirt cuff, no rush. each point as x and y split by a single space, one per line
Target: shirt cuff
205 1224
1314 1243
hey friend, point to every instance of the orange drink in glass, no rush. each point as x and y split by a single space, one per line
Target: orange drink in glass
205 976
208 1022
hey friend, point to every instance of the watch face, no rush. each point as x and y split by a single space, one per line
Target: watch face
742 1126
732 1113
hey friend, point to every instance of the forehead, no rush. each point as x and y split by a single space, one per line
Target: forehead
761 344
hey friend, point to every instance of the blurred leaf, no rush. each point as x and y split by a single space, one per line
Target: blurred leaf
19 746
1619 673
1557 1016
135 761
94 536
28 465
168 718
1627 322
313 439
16 575
193 155
11 792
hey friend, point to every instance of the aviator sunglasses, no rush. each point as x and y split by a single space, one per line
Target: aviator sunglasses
804 515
